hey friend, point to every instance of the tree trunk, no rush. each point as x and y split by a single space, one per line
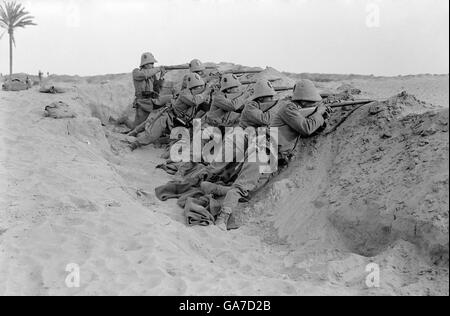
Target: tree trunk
10 55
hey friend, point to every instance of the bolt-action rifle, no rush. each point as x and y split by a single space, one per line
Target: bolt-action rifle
310 110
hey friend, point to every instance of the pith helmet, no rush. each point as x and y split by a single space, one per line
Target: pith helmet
196 65
305 90
194 80
147 58
263 88
229 81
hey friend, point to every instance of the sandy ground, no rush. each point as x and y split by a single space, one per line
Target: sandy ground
71 193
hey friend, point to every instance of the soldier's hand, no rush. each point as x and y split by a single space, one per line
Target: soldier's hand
328 112
209 87
322 109
162 70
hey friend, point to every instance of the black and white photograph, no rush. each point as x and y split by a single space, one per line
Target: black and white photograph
225 154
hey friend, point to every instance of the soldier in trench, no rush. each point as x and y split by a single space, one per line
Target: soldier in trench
291 125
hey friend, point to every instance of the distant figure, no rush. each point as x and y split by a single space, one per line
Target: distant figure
48 74
28 82
40 74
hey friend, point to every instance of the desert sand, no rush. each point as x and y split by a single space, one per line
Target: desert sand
374 191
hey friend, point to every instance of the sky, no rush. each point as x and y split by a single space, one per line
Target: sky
89 37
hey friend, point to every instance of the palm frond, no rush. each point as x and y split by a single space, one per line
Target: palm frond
13 15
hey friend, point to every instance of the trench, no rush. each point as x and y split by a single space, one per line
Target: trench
331 205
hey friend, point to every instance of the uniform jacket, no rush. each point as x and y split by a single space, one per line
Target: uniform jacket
143 80
291 124
223 109
186 105
253 116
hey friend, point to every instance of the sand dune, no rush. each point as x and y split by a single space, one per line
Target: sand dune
70 192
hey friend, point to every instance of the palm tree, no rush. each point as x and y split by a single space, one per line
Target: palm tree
13 16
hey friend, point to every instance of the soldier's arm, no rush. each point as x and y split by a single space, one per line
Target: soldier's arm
304 126
256 116
144 74
193 100
225 104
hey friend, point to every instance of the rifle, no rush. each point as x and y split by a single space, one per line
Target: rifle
308 111
280 89
248 82
184 67
231 71
241 72
324 95
141 127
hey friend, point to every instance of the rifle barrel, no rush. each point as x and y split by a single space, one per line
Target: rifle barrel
253 82
279 89
177 67
347 103
241 72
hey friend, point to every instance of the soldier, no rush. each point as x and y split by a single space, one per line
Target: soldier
144 79
197 67
183 111
28 82
40 75
226 104
252 116
291 125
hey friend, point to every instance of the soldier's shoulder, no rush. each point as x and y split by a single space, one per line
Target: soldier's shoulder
219 96
287 105
251 103
185 92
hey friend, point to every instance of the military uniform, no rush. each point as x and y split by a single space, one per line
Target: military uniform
253 116
291 125
196 66
182 112
223 109
144 81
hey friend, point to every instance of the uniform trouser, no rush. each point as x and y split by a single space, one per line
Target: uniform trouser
250 179
156 129
143 110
